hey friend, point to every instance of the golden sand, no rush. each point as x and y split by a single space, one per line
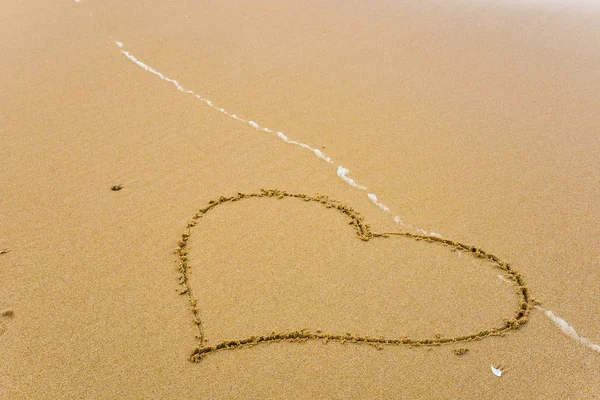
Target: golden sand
443 122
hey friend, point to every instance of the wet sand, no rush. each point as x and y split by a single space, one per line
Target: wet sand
473 123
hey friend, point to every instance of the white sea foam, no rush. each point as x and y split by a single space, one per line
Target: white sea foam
322 155
210 104
568 329
343 173
373 198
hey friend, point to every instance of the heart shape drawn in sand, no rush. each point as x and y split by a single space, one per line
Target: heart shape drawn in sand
363 232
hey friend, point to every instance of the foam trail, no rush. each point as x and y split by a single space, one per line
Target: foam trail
569 330
397 219
341 171
373 198
210 104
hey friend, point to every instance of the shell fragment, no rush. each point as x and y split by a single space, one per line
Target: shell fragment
496 371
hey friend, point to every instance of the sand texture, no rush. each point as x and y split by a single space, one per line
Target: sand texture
299 200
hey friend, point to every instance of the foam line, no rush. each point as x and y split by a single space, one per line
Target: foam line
342 172
568 329
373 198
421 231
210 104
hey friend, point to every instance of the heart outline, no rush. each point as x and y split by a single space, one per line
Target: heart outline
363 232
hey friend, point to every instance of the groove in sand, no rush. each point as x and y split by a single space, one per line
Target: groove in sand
363 231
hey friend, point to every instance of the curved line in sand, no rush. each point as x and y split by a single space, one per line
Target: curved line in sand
363 232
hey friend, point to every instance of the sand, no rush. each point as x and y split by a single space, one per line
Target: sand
470 127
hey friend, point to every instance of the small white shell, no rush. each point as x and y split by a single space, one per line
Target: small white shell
496 371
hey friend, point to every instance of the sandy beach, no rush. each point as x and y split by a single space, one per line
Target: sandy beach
295 201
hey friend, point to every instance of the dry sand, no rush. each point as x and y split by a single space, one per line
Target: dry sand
475 120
